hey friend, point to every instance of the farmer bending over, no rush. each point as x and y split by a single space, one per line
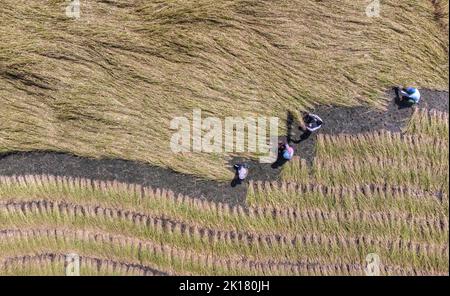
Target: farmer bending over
286 151
312 124
241 171
408 96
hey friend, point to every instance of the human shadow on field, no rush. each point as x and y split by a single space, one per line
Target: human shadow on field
289 124
236 181
280 160
305 136
301 128
279 163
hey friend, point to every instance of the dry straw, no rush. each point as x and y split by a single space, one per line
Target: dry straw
257 232
86 87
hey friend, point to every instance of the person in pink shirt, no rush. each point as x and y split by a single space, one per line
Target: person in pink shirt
287 151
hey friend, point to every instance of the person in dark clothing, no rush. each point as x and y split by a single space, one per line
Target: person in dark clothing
407 97
312 124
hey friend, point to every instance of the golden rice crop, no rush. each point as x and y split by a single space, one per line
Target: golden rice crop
48 264
417 158
429 122
108 84
127 216
174 260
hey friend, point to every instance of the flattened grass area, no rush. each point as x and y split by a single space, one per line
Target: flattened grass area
108 84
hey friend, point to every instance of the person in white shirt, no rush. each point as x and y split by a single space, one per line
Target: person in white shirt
408 96
312 124
241 171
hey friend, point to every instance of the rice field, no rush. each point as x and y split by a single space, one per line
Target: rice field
417 158
108 84
382 173
305 224
52 264
429 123
182 235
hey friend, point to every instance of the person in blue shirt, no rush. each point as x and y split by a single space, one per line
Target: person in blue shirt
408 96
286 150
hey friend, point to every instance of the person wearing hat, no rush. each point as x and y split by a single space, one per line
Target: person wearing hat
408 96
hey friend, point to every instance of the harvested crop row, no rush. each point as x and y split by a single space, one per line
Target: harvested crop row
384 145
215 226
375 198
53 264
267 220
172 259
407 172
409 160
159 203
432 123
418 158
296 170
396 251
